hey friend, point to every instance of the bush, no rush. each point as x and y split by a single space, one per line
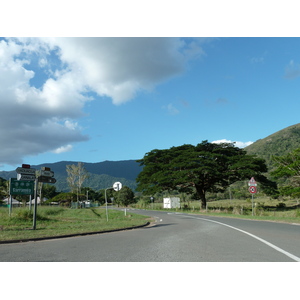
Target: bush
27 215
52 211
24 215
281 205
142 203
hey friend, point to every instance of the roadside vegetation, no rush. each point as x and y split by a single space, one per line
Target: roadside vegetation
265 208
213 173
209 179
57 221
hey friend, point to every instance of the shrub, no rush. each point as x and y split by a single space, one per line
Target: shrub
27 215
142 203
52 211
24 215
281 205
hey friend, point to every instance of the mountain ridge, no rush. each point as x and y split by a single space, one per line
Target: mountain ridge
277 144
102 174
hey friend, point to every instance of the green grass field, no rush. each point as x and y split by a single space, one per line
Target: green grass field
56 221
264 209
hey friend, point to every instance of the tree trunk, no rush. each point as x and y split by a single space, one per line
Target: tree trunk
201 194
203 201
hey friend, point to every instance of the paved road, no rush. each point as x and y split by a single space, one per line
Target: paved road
174 238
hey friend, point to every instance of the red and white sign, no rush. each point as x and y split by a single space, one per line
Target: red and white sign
252 182
252 189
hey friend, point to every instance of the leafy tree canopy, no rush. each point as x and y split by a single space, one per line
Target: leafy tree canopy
288 166
64 197
3 188
124 197
206 167
49 191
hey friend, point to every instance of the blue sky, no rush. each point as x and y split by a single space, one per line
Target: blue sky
96 99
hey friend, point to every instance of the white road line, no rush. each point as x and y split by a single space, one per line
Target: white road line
256 237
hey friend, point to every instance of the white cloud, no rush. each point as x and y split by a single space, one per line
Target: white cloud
62 149
237 143
292 70
120 67
171 109
40 117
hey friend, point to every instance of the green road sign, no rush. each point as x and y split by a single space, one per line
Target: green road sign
21 187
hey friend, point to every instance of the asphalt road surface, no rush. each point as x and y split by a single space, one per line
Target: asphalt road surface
174 237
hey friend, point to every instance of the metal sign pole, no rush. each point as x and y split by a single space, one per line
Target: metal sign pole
10 198
252 205
35 204
252 189
116 186
10 204
30 199
106 204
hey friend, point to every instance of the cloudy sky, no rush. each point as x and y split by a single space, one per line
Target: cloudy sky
95 99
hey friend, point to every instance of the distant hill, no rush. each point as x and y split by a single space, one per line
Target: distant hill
102 174
277 144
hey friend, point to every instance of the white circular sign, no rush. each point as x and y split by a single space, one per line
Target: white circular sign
117 186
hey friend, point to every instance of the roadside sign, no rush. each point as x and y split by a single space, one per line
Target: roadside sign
18 187
117 186
252 182
25 171
252 189
26 166
26 177
47 173
46 179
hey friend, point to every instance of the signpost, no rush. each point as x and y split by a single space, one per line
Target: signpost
116 186
28 171
46 179
18 187
28 175
47 173
252 189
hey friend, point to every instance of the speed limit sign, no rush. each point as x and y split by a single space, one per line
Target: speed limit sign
252 189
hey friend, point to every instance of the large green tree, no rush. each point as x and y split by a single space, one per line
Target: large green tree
124 197
49 191
288 167
3 188
206 167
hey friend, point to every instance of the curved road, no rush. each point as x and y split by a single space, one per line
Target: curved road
174 237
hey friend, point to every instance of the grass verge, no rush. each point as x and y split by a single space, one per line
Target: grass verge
57 221
264 209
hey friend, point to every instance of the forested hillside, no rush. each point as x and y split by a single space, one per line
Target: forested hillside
101 175
104 174
278 144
